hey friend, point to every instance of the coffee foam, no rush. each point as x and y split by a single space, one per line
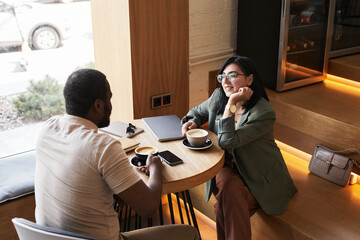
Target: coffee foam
197 133
146 150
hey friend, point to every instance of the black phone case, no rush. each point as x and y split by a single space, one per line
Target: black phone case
170 158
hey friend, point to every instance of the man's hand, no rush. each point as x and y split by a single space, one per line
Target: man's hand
152 162
144 198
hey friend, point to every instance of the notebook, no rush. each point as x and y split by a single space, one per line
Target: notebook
128 144
164 128
118 128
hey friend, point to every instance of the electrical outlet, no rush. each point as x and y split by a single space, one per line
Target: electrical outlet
161 100
166 99
156 101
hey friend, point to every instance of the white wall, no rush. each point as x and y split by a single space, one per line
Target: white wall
213 27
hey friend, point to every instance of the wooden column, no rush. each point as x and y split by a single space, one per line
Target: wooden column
143 48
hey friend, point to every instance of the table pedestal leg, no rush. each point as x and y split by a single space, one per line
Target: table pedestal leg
188 198
171 208
179 207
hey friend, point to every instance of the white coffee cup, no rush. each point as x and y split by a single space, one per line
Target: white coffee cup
197 137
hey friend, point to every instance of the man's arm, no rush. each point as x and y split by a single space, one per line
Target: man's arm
145 198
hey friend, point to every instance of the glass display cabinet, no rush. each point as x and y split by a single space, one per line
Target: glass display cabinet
288 40
346 28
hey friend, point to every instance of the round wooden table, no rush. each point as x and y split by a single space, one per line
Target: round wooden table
198 167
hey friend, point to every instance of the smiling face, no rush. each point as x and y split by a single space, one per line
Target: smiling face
240 81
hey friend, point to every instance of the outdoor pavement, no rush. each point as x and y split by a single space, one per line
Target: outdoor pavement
18 68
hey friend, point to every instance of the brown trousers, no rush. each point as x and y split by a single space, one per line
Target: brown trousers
235 205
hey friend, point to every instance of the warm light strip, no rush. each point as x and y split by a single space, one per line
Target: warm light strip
303 155
343 87
344 81
294 151
302 69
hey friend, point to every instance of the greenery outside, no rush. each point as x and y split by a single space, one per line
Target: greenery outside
43 100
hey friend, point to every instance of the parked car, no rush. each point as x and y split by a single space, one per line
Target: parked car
40 25
55 1
58 1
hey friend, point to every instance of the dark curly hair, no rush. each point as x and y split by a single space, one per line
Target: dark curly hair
82 88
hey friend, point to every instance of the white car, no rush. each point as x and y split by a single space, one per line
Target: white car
40 25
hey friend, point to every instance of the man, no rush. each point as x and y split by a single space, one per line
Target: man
78 169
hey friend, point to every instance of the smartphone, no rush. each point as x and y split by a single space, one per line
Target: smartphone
170 158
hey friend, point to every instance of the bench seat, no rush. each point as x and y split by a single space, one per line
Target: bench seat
16 191
17 175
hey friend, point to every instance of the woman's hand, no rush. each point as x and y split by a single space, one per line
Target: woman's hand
243 95
187 126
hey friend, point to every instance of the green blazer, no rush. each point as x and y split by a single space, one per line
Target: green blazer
258 158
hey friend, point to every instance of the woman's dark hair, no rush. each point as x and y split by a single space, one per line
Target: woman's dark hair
82 88
248 67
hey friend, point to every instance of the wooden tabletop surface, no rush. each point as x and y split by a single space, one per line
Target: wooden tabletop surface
198 167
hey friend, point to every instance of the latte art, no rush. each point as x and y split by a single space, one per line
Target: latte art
143 152
196 137
146 150
197 133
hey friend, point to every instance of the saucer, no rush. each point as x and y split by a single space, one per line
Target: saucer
135 162
207 144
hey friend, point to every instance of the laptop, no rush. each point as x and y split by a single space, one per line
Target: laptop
164 128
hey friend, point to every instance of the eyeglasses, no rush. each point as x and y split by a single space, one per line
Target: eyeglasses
230 77
130 129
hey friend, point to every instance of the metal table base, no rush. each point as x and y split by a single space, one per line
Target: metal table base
125 214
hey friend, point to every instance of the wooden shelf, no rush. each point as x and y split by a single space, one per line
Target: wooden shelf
323 113
346 67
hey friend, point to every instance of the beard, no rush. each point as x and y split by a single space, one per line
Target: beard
105 121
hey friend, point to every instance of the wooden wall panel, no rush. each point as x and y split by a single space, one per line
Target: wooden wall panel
160 54
23 207
143 48
111 33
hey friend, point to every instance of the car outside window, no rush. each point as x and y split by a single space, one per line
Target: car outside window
41 43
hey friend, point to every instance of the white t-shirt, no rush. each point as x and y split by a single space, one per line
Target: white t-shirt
77 172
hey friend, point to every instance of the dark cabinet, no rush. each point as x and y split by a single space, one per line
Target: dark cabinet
288 40
346 28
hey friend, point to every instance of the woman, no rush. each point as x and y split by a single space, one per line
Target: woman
254 174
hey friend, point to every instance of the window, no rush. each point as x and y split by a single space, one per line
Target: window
41 43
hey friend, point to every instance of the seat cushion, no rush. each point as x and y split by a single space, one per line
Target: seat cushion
17 175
